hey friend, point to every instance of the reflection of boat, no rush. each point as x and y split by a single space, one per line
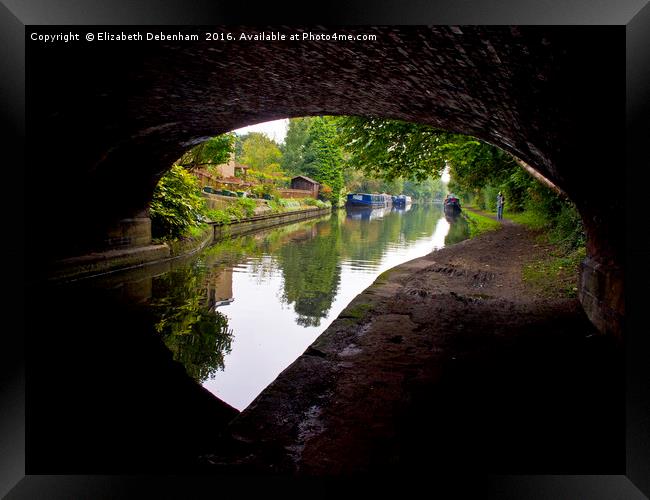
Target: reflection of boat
452 217
368 200
401 210
361 213
401 200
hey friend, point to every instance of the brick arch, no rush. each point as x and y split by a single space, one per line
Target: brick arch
112 118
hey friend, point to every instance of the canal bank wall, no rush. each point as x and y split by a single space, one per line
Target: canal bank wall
99 263
252 224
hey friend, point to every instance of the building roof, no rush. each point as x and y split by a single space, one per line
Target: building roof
306 178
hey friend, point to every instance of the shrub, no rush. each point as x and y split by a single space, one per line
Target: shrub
219 216
264 189
312 202
177 204
247 206
289 203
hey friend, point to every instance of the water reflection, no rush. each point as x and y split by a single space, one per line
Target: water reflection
183 305
458 229
361 213
311 272
244 309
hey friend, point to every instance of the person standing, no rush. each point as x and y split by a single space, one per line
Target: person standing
500 202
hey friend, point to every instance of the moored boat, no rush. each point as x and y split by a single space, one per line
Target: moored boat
366 200
402 200
452 205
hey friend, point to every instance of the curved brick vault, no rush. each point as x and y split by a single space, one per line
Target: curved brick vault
106 120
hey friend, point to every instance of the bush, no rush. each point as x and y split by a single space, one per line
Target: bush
568 228
264 189
219 216
247 206
312 202
488 198
276 206
177 204
289 203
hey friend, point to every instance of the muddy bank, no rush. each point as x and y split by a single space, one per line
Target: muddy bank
448 361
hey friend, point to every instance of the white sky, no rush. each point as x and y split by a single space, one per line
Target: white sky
445 175
276 129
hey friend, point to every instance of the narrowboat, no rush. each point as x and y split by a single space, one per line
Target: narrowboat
452 205
366 200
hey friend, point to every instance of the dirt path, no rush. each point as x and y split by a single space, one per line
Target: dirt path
448 361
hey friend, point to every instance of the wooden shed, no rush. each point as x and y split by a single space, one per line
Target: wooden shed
303 183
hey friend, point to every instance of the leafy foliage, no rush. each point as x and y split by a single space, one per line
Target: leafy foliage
214 151
241 208
261 153
177 204
219 216
323 158
315 203
390 149
294 147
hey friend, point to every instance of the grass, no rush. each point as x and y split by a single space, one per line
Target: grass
197 231
532 220
479 224
556 274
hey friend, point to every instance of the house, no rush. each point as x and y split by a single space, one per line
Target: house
303 183
230 174
231 169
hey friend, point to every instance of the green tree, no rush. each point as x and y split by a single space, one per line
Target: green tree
214 151
391 149
323 158
295 146
261 153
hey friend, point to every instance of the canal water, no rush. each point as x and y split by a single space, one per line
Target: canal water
244 309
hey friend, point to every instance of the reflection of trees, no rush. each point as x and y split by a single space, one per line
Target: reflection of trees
307 253
311 271
458 230
368 240
196 335
420 220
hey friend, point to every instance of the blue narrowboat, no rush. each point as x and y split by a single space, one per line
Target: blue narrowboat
366 200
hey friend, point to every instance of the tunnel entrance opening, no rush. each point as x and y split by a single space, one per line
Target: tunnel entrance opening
313 302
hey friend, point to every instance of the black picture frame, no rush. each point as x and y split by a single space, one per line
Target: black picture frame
16 15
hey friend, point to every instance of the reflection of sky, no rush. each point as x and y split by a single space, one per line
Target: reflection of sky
267 338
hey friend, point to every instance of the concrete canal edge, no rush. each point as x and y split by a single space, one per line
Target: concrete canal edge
252 224
119 259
